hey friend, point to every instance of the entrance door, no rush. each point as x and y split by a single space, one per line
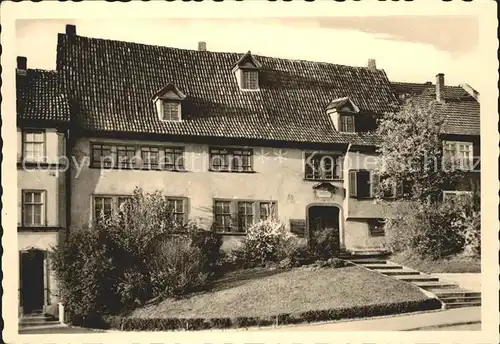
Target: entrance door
32 281
322 219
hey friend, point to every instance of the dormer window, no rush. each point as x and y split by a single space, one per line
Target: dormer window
247 72
250 79
342 111
171 110
347 124
168 102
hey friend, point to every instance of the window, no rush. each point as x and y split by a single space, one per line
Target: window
174 159
231 160
458 154
222 216
267 210
362 183
236 216
376 227
453 195
249 80
34 143
150 157
321 166
245 215
178 209
171 110
103 207
126 156
33 208
103 155
347 123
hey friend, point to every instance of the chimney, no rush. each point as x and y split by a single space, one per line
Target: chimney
439 87
372 64
22 64
71 30
202 46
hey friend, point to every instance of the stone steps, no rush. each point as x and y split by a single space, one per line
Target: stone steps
400 273
37 319
462 304
417 278
448 293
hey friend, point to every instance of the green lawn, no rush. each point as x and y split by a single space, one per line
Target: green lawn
265 293
454 264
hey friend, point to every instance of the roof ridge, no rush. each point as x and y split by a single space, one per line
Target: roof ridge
226 53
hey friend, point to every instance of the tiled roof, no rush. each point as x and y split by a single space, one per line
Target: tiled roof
113 82
40 96
460 110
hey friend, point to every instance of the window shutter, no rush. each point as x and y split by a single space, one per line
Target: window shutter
374 183
353 190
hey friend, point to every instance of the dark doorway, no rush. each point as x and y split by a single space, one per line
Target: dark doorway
32 281
324 219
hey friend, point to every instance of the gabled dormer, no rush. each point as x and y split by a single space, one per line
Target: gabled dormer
247 72
168 102
342 111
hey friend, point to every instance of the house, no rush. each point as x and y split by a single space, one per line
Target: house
42 130
226 137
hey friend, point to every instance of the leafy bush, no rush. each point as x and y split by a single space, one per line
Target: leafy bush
434 230
266 241
178 267
325 244
84 270
132 257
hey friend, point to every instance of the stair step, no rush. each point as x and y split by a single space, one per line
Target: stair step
367 261
434 285
460 299
443 293
418 278
381 266
462 304
402 273
38 323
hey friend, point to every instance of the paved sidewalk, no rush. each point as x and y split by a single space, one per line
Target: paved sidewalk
408 322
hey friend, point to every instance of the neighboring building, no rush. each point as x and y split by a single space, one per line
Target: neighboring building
459 107
239 134
42 128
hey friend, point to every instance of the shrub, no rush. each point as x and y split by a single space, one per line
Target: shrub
177 268
434 230
263 241
325 244
209 244
84 269
132 257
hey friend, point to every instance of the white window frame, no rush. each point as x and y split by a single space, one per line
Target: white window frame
447 194
457 154
246 76
42 204
168 102
235 227
33 142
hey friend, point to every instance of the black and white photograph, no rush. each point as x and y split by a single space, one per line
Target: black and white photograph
247 175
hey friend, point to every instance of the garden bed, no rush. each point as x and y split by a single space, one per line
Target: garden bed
260 298
454 264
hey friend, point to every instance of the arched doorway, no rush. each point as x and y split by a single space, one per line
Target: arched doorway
32 283
322 218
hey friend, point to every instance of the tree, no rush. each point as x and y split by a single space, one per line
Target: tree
411 152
